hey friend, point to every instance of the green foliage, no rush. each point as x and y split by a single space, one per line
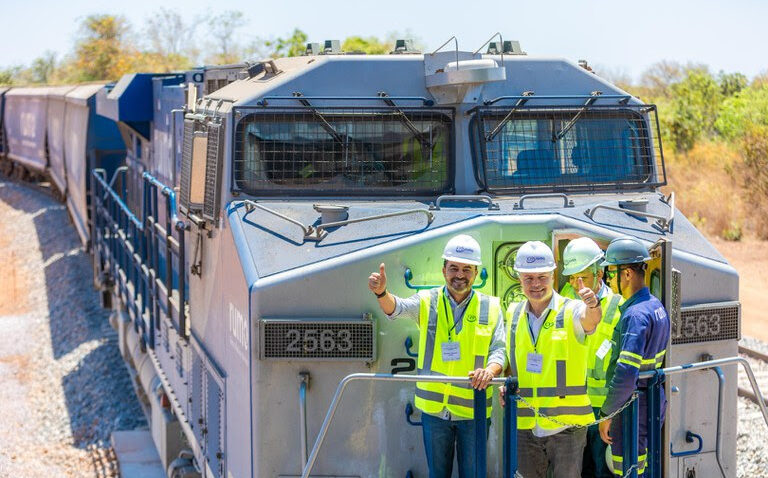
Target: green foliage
732 83
370 45
739 112
694 108
294 45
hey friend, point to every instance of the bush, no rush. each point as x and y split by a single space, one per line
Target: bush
754 145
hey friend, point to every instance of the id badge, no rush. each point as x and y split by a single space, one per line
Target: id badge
605 347
451 351
535 363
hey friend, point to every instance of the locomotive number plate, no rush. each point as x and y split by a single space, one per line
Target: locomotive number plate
318 339
706 323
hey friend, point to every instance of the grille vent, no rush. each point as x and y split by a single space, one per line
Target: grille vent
353 340
212 172
186 165
707 323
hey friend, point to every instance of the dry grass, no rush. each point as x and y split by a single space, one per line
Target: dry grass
709 188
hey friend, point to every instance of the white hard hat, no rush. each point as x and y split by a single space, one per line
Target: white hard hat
579 254
534 256
464 249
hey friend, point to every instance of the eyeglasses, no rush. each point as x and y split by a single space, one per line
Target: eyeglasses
611 274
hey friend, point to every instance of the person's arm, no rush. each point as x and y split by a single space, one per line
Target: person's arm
593 313
392 305
497 357
625 375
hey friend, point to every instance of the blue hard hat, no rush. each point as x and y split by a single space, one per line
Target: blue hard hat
625 250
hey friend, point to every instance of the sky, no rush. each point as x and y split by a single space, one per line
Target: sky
618 37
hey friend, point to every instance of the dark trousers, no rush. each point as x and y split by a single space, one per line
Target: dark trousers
594 464
441 437
562 451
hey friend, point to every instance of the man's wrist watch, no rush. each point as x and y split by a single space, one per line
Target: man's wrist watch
379 296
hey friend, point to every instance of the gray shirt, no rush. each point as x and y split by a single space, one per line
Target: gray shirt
410 307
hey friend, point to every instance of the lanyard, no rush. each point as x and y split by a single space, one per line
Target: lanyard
448 317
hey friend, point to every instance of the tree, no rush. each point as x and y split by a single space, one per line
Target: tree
370 45
170 36
43 68
294 45
694 108
732 83
102 52
223 28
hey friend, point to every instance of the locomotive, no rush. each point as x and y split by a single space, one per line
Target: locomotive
233 214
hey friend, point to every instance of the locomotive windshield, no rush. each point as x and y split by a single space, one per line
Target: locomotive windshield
343 151
565 149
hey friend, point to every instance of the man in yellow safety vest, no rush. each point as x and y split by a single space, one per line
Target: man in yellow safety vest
581 259
461 334
547 353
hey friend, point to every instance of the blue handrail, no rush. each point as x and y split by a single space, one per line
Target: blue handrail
689 438
408 276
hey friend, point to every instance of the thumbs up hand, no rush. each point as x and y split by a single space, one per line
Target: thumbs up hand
587 295
377 281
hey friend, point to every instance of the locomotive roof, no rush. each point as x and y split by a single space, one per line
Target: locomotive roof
404 75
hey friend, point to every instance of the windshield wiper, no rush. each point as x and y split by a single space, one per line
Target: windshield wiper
503 122
323 122
420 137
559 135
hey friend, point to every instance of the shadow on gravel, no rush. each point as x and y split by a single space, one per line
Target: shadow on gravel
98 392
100 397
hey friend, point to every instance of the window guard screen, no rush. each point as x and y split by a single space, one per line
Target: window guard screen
344 151
545 148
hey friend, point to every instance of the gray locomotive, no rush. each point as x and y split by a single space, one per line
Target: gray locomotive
234 239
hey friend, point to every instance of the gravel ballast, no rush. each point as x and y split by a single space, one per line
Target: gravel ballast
63 385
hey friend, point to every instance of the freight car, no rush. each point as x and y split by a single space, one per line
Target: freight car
253 201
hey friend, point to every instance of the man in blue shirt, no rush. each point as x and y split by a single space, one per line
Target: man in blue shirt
642 333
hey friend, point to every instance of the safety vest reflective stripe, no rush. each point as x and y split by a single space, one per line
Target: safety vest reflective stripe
597 367
630 358
618 464
473 340
558 388
558 411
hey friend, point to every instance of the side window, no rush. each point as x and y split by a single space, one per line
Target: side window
201 163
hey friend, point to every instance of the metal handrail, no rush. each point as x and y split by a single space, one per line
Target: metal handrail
373 377
492 206
622 98
251 205
711 364
456 44
265 100
566 202
321 231
663 222
501 40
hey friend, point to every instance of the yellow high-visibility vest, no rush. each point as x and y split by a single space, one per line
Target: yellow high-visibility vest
559 390
436 328
597 366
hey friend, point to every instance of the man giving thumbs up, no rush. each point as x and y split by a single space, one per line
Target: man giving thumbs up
461 333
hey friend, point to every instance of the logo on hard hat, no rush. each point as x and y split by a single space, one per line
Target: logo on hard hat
532 259
464 249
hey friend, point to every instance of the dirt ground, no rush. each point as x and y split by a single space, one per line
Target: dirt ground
750 258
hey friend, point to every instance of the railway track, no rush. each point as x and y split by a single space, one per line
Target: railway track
759 363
